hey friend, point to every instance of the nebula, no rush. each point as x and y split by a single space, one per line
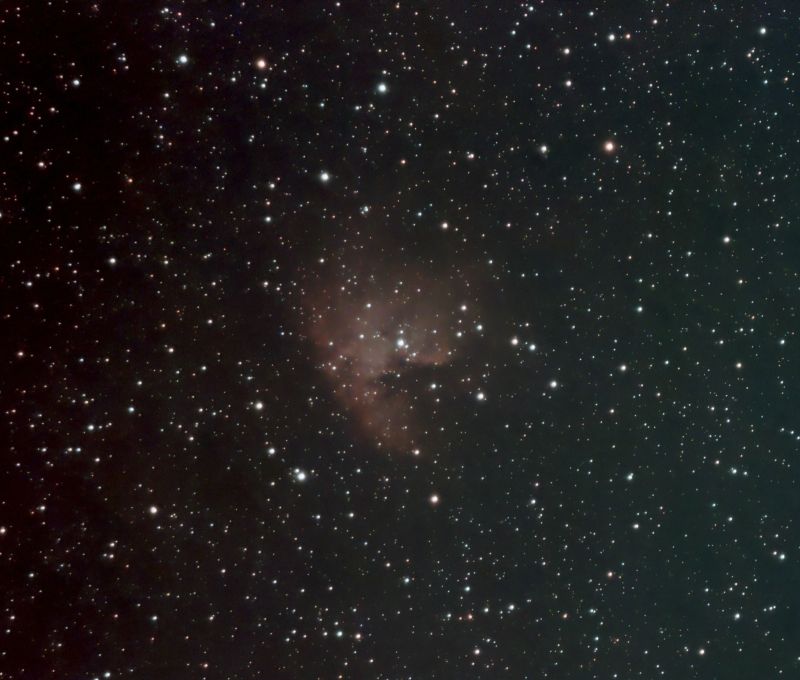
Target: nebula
373 334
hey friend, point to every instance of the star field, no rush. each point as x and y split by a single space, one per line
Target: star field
382 340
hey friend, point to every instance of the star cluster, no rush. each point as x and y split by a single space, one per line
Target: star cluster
399 340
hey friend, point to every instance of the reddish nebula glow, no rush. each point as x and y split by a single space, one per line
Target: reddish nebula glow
372 335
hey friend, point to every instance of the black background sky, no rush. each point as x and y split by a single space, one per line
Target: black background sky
399 340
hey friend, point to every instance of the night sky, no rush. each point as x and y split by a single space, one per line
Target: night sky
399 340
